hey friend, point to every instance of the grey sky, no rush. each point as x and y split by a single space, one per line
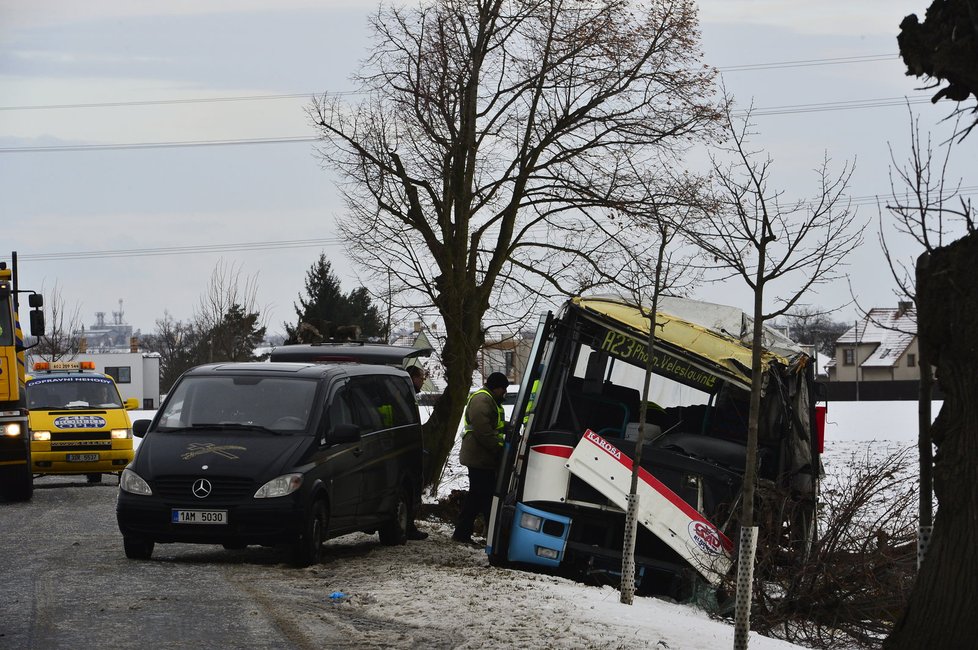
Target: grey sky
60 52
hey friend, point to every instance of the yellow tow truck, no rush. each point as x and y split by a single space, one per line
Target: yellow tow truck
78 422
16 482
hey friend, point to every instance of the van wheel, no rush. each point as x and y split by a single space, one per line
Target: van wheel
394 532
308 549
94 478
137 549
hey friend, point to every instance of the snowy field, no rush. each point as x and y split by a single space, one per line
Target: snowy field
439 583
861 434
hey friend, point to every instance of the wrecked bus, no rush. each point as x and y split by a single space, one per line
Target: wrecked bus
562 490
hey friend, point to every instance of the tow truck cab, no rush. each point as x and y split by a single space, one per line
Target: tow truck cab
565 477
77 420
16 481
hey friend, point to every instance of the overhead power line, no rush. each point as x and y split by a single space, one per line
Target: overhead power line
161 102
869 199
251 98
809 63
840 106
756 112
179 250
159 145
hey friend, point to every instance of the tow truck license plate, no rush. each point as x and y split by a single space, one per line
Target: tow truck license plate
81 458
199 516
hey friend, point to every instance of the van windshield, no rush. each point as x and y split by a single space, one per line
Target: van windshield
46 393
282 405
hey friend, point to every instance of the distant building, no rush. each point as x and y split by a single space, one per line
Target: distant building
137 374
114 347
106 336
882 346
506 355
422 336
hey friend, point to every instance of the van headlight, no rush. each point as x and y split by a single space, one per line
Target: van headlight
133 483
121 434
41 436
279 486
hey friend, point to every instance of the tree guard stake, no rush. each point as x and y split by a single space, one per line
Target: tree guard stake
745 579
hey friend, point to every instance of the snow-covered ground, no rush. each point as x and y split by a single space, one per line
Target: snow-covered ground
439 583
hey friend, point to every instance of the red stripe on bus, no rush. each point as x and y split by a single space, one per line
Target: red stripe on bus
553 450
654 483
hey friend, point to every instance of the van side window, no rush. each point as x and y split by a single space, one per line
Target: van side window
384 402
365 404
403 401
338 410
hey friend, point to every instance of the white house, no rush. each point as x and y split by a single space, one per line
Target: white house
137 374
880 347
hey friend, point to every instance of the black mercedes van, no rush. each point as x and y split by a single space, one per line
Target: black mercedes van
275 454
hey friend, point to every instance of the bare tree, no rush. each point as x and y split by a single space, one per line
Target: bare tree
63 323
668 207
928 209
494 140
850 588
225 289
931 211
178 345
925 206
753 234
227 317
226 326
812 326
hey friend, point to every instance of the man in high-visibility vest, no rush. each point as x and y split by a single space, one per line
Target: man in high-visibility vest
483 434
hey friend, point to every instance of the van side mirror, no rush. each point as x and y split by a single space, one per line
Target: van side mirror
140 427
132 404
343 433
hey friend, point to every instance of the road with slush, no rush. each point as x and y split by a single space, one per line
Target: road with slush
66 583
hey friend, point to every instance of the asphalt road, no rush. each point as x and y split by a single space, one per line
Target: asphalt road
65 583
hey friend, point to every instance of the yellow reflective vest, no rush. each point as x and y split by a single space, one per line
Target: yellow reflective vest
500 416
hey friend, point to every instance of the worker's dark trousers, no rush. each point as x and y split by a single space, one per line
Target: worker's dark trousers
477 500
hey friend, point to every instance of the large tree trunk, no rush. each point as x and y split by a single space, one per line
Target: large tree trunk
941 610
462 312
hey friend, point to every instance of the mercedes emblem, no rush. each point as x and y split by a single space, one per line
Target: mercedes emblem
202 488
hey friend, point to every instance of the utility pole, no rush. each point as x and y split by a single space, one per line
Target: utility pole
855 359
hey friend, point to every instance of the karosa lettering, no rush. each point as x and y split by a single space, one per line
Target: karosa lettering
604 444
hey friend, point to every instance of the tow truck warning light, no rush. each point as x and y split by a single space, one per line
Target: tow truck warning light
64 365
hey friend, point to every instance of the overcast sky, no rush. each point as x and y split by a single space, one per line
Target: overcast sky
162 217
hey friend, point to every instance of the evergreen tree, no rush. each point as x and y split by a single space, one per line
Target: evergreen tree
325 308
236 336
